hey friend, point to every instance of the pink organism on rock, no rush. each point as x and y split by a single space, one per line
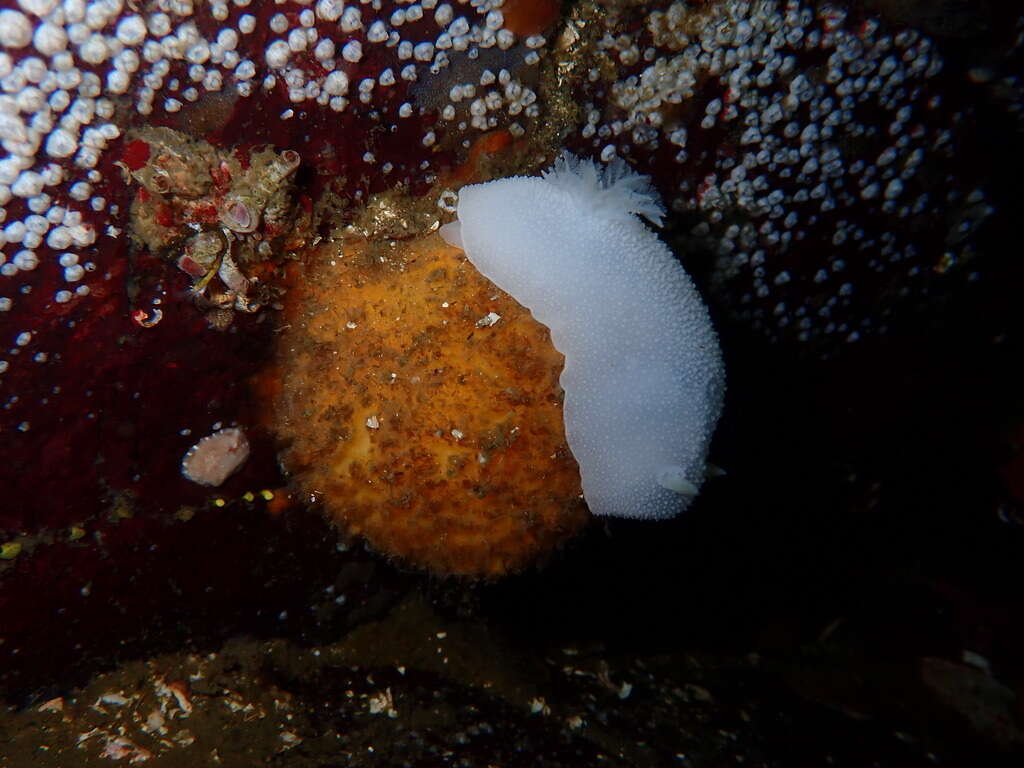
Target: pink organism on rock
215 458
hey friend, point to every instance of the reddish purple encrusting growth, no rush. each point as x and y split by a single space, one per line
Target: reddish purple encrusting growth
343 87
107 372
370 96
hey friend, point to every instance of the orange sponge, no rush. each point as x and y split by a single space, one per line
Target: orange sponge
421 405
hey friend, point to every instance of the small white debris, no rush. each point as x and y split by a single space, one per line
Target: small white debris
383 702
116 699
52 705
120 747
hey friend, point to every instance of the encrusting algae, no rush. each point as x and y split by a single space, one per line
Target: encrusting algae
421 406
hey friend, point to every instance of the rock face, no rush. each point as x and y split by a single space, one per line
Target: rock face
817 224
137 143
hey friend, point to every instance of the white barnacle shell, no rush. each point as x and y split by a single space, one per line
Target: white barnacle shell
239 215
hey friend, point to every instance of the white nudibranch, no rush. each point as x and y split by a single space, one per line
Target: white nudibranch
643 375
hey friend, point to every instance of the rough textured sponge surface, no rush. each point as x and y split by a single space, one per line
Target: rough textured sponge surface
421 406
643 374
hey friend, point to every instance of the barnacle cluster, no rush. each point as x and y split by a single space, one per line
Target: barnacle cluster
216 214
